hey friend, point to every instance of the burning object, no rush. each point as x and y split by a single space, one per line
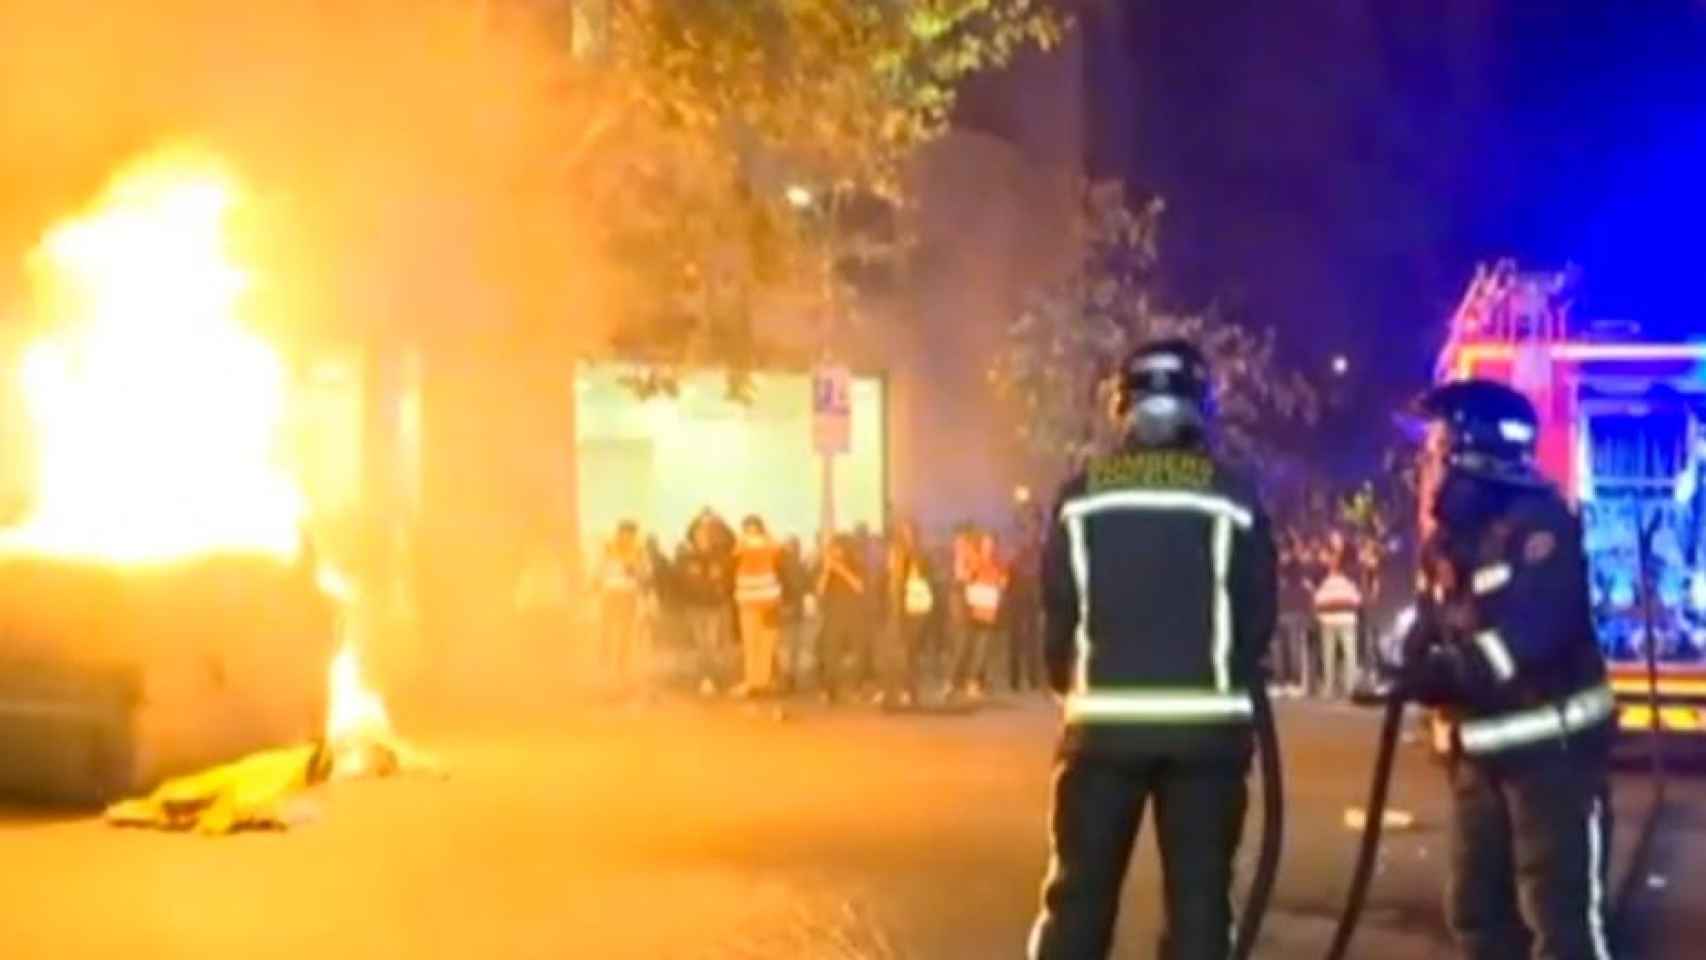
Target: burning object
159 612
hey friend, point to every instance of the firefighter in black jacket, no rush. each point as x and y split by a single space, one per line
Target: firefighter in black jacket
1503 646
1160 593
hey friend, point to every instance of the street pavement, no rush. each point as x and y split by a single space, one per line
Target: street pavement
706 831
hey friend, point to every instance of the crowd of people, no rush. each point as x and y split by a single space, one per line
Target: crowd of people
1328 640
855 617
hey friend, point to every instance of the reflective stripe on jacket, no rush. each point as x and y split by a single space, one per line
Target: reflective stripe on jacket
1576 713
758 575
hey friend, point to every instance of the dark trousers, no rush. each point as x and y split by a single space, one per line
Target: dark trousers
910 635
1528 858
1098 803
1025 650
838 636
970 663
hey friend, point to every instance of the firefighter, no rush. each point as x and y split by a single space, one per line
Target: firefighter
1503 645
1159 592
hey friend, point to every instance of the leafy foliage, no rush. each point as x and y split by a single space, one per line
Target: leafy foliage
1059 365
714 111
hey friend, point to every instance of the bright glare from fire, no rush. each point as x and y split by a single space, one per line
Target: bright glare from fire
155 414
356 713
356 718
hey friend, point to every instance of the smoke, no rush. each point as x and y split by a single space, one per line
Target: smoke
437 170
419 164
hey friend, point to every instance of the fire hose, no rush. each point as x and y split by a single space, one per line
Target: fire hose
1273 824
1369 849
1655 739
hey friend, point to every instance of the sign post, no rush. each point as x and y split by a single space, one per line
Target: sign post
832 430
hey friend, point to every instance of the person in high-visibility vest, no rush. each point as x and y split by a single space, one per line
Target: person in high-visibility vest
621 580
758 597
1338 603
985 590
912 600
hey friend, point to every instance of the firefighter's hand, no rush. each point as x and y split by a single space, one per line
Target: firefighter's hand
1439 676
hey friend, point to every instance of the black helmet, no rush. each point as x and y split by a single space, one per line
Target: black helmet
1165 393
1491 430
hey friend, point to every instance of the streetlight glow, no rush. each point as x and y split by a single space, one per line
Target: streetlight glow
1341 365
799 197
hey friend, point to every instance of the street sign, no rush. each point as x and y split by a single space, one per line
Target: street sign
832 410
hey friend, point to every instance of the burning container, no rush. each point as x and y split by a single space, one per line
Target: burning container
159 611
114 677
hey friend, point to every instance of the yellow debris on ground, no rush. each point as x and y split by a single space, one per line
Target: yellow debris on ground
249 794
255 793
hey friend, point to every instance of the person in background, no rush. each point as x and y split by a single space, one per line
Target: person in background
758 596
542 597
621 584
841 592
1337 603
1024 615
791 571
911 601
704 578
657 608
866 552
724 540
956 635
985 589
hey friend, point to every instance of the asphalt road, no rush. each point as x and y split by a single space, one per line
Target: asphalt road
686 830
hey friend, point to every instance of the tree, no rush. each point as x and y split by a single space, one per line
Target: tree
721 122
1058 368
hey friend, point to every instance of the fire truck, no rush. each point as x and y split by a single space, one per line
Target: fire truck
1623 434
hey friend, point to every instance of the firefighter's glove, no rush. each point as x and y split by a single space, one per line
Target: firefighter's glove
1439 677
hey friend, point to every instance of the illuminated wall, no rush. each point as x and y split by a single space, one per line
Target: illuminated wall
660 461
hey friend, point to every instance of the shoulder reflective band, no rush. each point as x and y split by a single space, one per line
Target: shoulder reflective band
1131 706
1488 579
1165 501
1493 648
1080 579
1579 712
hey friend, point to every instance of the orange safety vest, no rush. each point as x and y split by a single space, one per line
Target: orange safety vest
965 559
984 587
758 580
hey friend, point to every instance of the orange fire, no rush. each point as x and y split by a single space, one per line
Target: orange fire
358 727
157 415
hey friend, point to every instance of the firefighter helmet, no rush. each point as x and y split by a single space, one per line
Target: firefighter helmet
1487 429
1165 394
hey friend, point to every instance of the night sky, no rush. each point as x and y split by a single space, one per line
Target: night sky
1336 169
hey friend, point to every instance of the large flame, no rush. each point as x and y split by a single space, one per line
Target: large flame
355 714
156 414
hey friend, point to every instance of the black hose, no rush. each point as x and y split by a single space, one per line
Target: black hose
1655 740
1273 825
1376 813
